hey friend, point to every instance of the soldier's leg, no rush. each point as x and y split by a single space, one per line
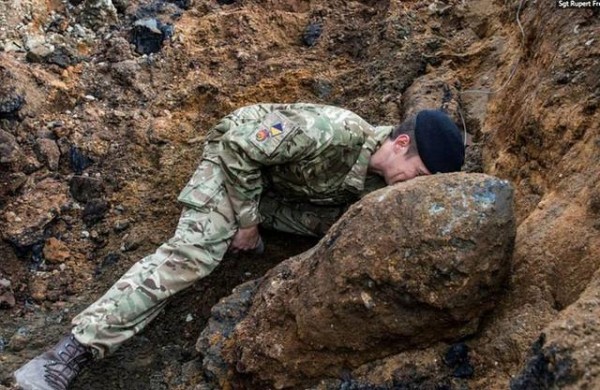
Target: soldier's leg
299 218
200 242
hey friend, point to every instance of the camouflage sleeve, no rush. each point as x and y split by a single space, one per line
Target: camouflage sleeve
247 148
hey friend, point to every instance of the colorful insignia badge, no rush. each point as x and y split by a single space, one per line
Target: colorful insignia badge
273 131
276 129
262 135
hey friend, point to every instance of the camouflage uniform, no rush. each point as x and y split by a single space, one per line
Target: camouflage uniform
290 167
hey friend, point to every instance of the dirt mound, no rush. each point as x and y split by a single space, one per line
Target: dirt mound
106 104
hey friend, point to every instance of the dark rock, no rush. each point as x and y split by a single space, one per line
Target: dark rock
225 2
94 211
121 5
85 188
10 104
436 266
457 358
312 33
79 161
224 317
185 4
63 57
322 88
543 370
36 255
108 261
149 35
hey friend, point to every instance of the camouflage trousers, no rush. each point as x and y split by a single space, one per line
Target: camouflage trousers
201 240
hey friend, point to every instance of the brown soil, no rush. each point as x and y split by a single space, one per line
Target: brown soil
528 96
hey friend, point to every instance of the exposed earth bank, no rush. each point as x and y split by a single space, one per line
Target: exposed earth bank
103 109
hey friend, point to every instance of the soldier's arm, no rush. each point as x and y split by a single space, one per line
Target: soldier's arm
244 153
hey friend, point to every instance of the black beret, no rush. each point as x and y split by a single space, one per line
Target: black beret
439 142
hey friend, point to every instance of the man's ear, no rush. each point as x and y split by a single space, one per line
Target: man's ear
401 143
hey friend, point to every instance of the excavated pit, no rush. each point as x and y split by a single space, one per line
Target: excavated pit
96 140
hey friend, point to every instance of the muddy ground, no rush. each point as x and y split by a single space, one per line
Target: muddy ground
97 139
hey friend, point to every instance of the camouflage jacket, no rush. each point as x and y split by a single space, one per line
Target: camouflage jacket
299 152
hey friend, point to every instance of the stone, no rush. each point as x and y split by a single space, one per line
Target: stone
126 71
85 188
29 214
79 161
149 35
407 266
38 289
63 56
118 50
56 251
19 339
7 297
312 33
98 13
40 53
47 152
121 225
10 152
10 104
94 211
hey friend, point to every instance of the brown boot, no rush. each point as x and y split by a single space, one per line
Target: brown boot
56 368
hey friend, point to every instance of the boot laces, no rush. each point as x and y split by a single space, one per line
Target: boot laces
70 358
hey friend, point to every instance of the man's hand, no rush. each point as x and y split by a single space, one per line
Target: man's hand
245 239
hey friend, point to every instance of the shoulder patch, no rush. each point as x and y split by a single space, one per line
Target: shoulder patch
271 132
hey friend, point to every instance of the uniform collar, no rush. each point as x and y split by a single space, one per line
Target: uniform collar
355 180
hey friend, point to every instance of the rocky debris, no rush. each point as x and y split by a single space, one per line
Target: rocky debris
10 104
55 251
98 13
39 53
79 161
126 72
63 56
457 358
10 152
133 241
223 319
19 339
86 188
48 152
24 220
567 352
121 225
148 35
7 297
546 369
311 34
434 91
108 261
432 270
118 50
94 211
